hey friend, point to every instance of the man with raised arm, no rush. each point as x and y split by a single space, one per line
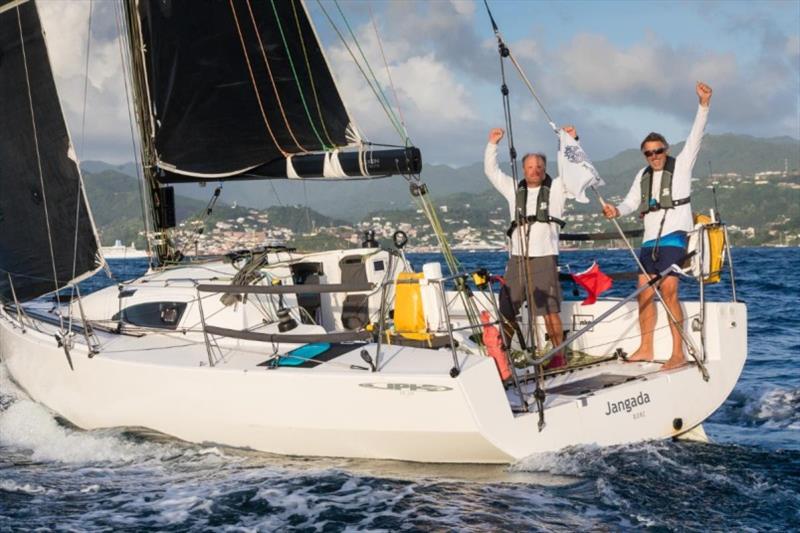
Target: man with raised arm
539 199
660 195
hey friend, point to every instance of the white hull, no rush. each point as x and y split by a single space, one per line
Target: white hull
411 409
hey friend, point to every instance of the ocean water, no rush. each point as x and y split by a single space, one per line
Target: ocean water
54 476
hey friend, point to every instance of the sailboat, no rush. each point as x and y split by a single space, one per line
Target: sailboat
343 353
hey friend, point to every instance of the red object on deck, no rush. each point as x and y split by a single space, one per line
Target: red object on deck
594 281
494 346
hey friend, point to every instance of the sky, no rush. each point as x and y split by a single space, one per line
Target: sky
615 69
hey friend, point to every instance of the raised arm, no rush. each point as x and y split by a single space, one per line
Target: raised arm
500 180
688 156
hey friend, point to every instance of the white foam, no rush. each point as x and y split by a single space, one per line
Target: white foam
28 425
9 485
573 461
9 392
778 408
593 460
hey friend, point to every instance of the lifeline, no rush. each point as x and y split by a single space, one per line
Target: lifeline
627 405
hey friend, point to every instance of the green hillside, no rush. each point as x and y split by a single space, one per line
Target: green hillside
769 205
353 200
116 205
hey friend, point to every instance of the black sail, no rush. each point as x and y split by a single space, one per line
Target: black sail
39 182
236 85
214 68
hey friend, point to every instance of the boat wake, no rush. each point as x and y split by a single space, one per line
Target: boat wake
128 477
646 482
770 407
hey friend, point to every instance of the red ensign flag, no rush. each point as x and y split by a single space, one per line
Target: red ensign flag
594 281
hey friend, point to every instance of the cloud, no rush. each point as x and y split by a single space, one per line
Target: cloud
107 131
793 49
434 93
444 65
653 74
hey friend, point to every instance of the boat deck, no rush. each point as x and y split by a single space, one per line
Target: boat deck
581 382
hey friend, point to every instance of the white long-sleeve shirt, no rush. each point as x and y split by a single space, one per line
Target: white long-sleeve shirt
543 237
678 218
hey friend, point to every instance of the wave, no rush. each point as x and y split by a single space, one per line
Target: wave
12 486
773 408
29 426
641 482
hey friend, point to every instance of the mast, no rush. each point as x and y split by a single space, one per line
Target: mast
159 201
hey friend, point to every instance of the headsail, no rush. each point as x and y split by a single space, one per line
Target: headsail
42 199
242 90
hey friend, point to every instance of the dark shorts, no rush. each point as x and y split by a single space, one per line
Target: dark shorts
666 256
543 274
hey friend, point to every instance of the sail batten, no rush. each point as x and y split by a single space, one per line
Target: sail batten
224 90
47 236
236 85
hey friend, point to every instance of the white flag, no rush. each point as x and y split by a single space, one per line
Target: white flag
575 169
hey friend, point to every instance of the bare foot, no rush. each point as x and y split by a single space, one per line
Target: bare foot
640 356
557 361
674 362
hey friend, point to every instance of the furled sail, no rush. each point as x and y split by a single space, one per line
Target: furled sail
240 89
41 195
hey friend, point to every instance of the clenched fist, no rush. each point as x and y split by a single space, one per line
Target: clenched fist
703 93
495 134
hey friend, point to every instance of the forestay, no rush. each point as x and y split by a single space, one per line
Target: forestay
47 236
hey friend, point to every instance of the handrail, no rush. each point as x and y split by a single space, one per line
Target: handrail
602 236
285 289
344 336
651 283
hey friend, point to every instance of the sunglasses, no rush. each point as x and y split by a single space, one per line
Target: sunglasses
651 153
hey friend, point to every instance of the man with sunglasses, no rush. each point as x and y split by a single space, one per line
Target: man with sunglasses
660 195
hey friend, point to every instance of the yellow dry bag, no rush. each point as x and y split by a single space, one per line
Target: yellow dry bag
710 256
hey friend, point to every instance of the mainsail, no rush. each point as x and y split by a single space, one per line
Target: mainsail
241 90
47 235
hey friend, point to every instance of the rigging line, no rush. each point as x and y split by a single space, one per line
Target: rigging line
86 82
507 52
388 73
453 264
201 218
308 211
275 192
39 164
297 78
272 79
533 93
253 80
83 151
140 107
361 69
311 76
127 77
436 225
382 96
522 233
512 150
